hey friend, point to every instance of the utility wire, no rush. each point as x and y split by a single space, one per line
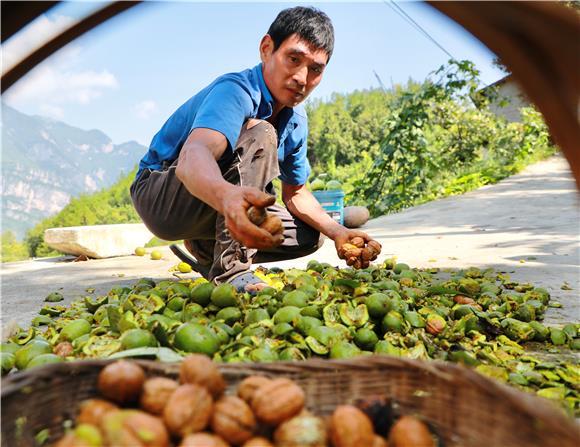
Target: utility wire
383 88
393 5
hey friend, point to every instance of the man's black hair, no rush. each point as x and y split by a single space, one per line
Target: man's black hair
311 25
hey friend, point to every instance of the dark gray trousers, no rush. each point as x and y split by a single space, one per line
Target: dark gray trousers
172 213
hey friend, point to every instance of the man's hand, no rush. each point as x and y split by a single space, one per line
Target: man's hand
344 236
235 206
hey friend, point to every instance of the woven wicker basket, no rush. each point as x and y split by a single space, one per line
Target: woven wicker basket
465 408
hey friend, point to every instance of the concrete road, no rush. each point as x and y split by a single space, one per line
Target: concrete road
527 225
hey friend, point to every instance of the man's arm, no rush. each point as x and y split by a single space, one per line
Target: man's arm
199 172
302 204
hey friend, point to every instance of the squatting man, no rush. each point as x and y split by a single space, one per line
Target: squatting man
218 153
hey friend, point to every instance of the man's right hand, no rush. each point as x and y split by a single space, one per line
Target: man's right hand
235 206
198 170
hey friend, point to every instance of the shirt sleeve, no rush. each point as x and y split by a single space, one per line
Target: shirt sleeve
225 109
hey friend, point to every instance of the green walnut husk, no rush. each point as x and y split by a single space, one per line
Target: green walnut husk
477 317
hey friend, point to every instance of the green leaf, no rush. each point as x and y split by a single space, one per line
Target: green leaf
162 354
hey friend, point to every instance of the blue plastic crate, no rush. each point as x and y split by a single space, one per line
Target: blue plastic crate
332 202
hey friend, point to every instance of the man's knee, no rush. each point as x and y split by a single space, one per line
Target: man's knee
310 240
261 131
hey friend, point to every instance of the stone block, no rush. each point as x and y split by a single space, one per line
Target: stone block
98 241
355 216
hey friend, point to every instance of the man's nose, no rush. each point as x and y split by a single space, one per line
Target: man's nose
300 76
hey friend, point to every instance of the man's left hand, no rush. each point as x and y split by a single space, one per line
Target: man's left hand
345 236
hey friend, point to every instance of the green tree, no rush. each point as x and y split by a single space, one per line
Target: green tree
12 249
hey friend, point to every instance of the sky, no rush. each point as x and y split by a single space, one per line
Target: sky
127 76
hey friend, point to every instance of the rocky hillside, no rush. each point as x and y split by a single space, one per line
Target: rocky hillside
46 162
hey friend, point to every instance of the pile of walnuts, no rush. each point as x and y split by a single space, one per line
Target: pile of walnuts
195 412
358 254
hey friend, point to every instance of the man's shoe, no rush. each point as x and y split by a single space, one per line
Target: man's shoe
203 270
243 279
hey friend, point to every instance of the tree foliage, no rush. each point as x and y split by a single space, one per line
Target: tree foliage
424 141
12 249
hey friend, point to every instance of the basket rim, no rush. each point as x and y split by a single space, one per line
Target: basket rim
532 405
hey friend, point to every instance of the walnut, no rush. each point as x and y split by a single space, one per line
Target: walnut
156 393
233 420
409 431
258 441
257 215
358 241
273 224
92 411
367 254
277 401
199 369
460 299
121 381
134 428
304 430
188 410
64 349
249 385
349 426
203 440
375 246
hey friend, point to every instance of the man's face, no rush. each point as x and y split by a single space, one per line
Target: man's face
293 70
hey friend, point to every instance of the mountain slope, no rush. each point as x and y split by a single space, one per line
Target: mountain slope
46 162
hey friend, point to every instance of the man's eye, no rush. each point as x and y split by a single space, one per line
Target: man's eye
316 70
293 59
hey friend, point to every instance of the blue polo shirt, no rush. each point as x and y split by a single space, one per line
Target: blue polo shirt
224 106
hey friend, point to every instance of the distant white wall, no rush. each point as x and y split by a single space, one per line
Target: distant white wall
510 90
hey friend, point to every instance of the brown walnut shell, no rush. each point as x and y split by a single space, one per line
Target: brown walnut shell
233 420
410 431
199 369
346 247
64 349
249 385
134 428
435 325
258 441
256 215
351 261
121 381
367 254
272 224
277 401
460 299
353 253
188 410
93 410
349 426
375 246
156 393
203 440
358 241
304 430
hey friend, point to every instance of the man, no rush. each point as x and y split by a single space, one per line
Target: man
218 153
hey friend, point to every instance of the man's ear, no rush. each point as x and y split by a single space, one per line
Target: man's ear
266 48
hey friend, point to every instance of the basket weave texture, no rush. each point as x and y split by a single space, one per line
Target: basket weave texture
463 407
